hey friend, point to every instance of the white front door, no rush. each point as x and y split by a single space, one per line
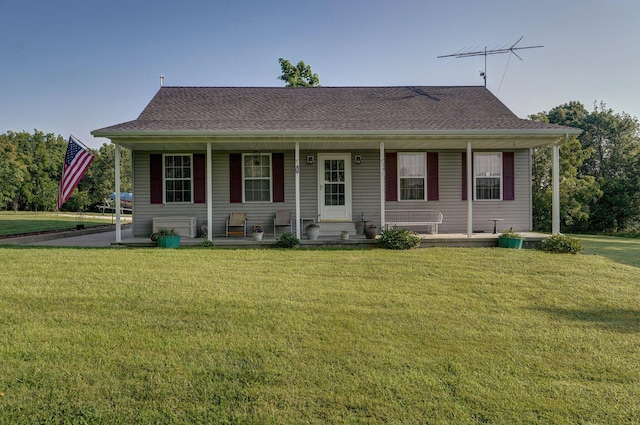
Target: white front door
334 195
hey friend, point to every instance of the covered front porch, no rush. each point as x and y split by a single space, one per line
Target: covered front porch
377 147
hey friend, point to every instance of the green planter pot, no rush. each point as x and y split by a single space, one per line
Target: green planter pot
506 242
169 241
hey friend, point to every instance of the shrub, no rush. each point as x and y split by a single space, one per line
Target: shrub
561 244
206 243
511 234
287 240
398 239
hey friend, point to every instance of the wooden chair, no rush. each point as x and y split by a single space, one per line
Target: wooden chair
237 219
283 218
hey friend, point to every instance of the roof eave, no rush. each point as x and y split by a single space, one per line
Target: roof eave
545 132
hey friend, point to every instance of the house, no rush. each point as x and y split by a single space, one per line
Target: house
333 154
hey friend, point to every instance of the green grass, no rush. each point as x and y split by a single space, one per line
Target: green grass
459 336
623 250
12 223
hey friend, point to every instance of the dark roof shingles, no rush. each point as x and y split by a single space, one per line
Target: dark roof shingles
228 109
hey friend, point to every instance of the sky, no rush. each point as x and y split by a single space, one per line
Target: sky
70 67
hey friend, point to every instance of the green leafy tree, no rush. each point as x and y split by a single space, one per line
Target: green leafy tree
12 170
599 171
31 168
299 75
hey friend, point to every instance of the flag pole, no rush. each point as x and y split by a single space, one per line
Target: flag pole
89 149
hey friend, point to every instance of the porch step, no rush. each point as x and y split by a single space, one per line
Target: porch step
328 228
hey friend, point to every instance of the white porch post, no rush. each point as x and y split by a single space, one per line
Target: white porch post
555 202
117 200
469 191
297 170
209 195
383 180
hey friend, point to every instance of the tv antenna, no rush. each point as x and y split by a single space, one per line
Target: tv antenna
512 49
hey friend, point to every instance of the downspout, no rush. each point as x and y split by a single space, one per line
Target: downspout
209 195
297 179
469 191
117 200
383 196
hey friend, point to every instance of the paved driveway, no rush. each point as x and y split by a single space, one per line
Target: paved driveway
103 239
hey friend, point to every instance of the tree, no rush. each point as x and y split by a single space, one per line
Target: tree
31 167
576 192
299 75
600 175
12 170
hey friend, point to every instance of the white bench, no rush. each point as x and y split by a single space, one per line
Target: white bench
184 226
408 218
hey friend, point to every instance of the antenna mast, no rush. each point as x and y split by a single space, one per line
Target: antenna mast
485 53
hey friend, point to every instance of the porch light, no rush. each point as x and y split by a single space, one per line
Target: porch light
310 160
357 159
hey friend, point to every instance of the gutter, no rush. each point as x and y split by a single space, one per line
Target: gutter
335 134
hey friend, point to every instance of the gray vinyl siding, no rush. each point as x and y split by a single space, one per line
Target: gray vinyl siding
516 213
365 195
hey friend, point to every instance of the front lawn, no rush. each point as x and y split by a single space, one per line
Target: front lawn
623 250
12 223
460 336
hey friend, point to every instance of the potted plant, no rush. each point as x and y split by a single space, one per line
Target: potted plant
360 225
371 231
510 239
166 238
258 231
313 231
80 220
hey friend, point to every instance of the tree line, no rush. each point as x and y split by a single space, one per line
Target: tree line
31 167
599 171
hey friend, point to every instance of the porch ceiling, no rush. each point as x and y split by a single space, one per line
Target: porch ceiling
307 142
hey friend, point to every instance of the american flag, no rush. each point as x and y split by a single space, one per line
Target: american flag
76 163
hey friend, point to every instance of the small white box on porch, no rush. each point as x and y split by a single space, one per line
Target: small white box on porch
184 226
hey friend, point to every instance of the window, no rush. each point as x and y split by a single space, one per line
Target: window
178 182
256 178
487 176
412 172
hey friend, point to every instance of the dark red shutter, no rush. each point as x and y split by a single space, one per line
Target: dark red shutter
391 175
155 178
464 176
277 164
433 184
508 176
235 177
199 178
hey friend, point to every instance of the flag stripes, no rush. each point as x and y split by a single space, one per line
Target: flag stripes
76 163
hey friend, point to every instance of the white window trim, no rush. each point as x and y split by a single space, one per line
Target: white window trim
164 178
476 177
244 201
424 158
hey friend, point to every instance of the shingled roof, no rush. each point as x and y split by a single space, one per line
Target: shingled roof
323 109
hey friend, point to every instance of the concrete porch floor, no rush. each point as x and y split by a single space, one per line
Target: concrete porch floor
532 240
